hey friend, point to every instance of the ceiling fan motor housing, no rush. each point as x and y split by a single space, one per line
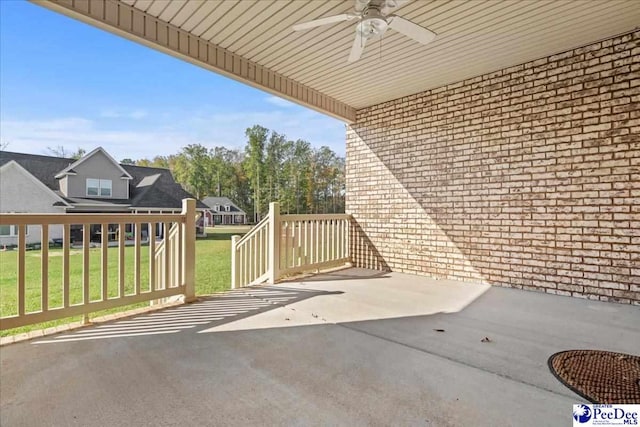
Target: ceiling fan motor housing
372 22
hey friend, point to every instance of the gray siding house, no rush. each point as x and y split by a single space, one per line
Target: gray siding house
94 183
222 211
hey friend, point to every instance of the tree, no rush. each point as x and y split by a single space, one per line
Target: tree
270 168
127 161
61 151
254 164
192 168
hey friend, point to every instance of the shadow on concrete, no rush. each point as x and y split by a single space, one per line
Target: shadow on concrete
351 369
206 313
342 274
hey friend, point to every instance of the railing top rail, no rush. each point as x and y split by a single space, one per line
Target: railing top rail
87 218
313 217
253 231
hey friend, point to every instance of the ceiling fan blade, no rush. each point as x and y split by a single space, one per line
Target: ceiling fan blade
357 47
391 5
411 30
323 21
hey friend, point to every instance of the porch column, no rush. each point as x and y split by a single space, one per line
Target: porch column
274 242
189 249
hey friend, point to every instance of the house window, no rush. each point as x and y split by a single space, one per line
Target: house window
99 187
227 208
216 208
11 230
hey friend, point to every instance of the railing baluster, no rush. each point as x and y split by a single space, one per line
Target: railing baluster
171 258
321 247
86 235
319 242
336 244
152 256
306 242
290 244
344 239
136 264
265 245
243 265
284 245
260 252
251 265
300 243
294 244
66 245
334 237
44 266
22 249
167 255
121 265
247 278
312 241
104 249
329 242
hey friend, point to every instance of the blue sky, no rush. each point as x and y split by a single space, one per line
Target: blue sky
64 83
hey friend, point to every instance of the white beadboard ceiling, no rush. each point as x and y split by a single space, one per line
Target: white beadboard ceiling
474 37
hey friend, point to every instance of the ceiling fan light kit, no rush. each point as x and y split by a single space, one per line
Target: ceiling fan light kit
374 20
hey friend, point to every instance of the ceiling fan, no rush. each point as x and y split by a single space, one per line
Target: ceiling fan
374 19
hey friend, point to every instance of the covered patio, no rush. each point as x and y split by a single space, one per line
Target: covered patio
352 347
504 149
500 159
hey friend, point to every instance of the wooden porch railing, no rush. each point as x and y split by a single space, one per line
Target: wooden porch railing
283 245
171 263
250 256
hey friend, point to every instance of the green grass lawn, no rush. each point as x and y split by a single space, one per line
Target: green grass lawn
213 274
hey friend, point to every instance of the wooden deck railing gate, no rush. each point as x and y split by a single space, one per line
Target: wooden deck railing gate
282 245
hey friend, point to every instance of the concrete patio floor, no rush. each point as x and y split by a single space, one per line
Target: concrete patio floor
353 347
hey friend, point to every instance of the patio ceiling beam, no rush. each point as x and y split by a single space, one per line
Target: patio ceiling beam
126 21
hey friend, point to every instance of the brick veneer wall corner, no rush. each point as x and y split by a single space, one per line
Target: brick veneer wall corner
527 177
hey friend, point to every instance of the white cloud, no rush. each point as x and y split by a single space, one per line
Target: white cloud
229 128
169 133
32 136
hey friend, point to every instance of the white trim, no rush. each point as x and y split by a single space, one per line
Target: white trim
64 171
35 180
99 195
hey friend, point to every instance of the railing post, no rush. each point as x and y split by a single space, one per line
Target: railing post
274 242
234 261
188 248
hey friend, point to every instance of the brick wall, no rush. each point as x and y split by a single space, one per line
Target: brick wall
527 177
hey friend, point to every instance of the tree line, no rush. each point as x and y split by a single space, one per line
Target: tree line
271 168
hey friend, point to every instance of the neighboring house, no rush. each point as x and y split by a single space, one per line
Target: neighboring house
221 210
95 183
